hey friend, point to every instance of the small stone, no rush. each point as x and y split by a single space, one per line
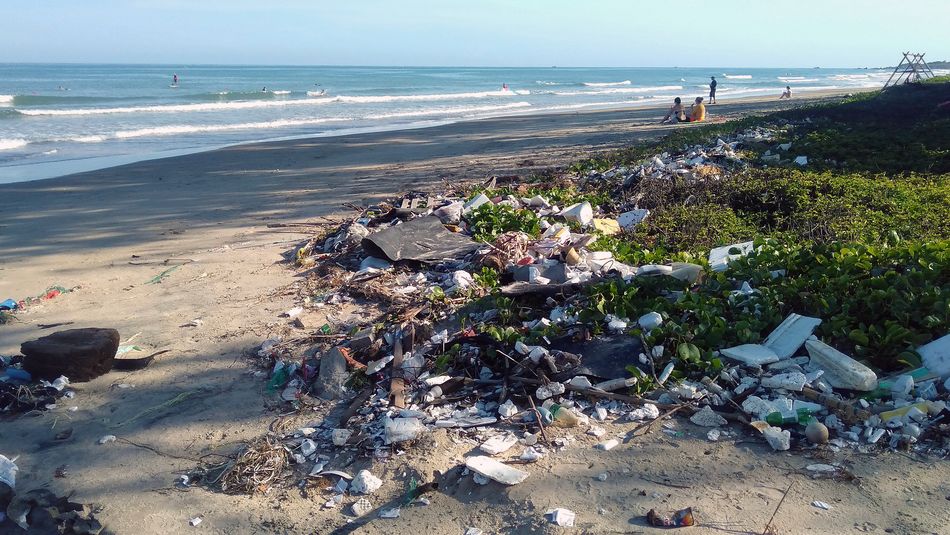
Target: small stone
105 439
507 409
608 445
340 436
650 321
550 390
365 483
816 432
713 435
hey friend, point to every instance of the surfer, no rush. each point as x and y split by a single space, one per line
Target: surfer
175 79
504 87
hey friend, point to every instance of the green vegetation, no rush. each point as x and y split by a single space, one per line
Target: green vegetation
862 233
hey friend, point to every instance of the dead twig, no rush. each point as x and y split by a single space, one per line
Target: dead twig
537 416
768 527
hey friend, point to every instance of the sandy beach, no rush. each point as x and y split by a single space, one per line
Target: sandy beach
106 233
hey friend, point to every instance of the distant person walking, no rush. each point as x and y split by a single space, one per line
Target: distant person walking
712 90
787 93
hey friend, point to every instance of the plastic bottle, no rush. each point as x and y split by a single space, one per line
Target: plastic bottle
801 416
563 417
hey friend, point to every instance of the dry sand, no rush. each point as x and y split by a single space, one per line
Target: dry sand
213 208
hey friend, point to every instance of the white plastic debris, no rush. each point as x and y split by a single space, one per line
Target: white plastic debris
786 381
402 429
802 160
195 521
105 439
340 436
361 506
751 354
720 257
596 431
650 321
365 483
936 356
581 212
841 371
495 470
308 447
902 386
507 409
390 513
562 517
790 335
473 531
375 366
632 218
780 439
479 200
580 381
8 470
820 505
498 444
530 455
549 390
713 435
647 412
608 445
706 417
294 312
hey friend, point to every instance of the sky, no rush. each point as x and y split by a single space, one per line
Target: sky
502 33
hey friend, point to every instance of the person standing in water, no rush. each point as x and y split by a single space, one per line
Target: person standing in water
712 90
175 79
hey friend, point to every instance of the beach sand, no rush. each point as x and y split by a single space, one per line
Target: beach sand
108 232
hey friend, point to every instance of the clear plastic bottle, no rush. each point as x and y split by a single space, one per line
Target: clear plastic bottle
563 417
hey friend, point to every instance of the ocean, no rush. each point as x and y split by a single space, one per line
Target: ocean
60 119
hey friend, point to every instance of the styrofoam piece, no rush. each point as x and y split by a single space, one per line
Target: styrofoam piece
720 257
780 439
549 390
791 334
361 507
498 444
495 470
841 371
479 200
608 445
507 409
786 381
8 470
581 212
632 218
802 160
562 517
706 417
365 483
650 321
751 354
936 356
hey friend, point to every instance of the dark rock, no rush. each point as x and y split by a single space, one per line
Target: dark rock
329 384
79 354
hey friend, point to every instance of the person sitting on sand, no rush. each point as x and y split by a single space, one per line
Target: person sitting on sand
697 112
677 112
787 93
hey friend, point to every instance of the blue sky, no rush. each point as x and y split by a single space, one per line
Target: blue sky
623 33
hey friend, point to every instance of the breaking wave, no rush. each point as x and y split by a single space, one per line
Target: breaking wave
607 84
7 144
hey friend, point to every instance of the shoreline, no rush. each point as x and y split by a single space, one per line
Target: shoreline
15 174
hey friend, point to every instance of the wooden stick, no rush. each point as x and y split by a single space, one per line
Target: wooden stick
779 506
537 415
398 385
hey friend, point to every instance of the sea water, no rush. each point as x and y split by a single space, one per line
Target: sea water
59 119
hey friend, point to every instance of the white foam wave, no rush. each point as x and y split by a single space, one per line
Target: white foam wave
374 99
200 129
50 152
619 90
738 76
6 100
522 92
796 79
281 92
607 84
545 82
8 144
459 110
178 108
316 93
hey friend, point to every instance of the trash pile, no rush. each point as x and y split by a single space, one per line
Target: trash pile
494 336
9 307
39 510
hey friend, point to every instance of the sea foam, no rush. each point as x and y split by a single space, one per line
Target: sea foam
607 84
8 144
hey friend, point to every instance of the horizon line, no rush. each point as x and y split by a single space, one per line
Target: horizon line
79 63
